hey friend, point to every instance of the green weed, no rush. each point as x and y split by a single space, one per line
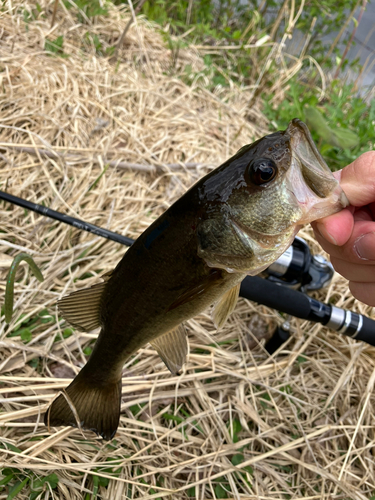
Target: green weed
55 46
342 124
235 428
24 328
14 481
88 8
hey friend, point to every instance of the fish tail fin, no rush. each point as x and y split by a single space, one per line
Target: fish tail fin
95 406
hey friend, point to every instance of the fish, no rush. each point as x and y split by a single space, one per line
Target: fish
235 221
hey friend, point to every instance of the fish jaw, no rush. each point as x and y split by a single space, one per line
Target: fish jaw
316 190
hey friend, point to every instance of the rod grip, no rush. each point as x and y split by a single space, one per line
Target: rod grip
276 296
367 331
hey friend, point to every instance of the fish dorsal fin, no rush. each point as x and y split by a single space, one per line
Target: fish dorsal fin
172 347
82 308
225 306
107 275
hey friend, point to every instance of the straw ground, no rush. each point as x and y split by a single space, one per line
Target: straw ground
115 144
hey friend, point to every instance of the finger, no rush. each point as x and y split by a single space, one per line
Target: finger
358 180
337 228
359 249
358 183
365 292
363 213
354 272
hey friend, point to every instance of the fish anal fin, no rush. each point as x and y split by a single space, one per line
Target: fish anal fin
97 407
82 308
225 306
172 347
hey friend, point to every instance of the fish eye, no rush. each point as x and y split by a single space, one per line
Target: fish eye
262 170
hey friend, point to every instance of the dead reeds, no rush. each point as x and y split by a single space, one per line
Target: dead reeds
115 144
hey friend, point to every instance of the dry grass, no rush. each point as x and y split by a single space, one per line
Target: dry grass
237 423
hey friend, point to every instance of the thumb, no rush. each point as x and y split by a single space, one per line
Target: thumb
358 180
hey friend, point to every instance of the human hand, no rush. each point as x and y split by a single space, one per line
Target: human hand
349 236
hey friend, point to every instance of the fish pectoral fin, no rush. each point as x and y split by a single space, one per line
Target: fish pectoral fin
82 308
225 306
203 286
172 347
88 406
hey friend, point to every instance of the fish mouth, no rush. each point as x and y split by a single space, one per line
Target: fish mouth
303 144
316 189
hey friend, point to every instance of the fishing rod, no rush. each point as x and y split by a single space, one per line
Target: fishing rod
67 219
295 268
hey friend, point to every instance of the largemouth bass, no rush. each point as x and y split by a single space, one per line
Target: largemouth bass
235 221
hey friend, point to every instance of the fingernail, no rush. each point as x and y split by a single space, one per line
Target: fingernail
323 231
364 246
